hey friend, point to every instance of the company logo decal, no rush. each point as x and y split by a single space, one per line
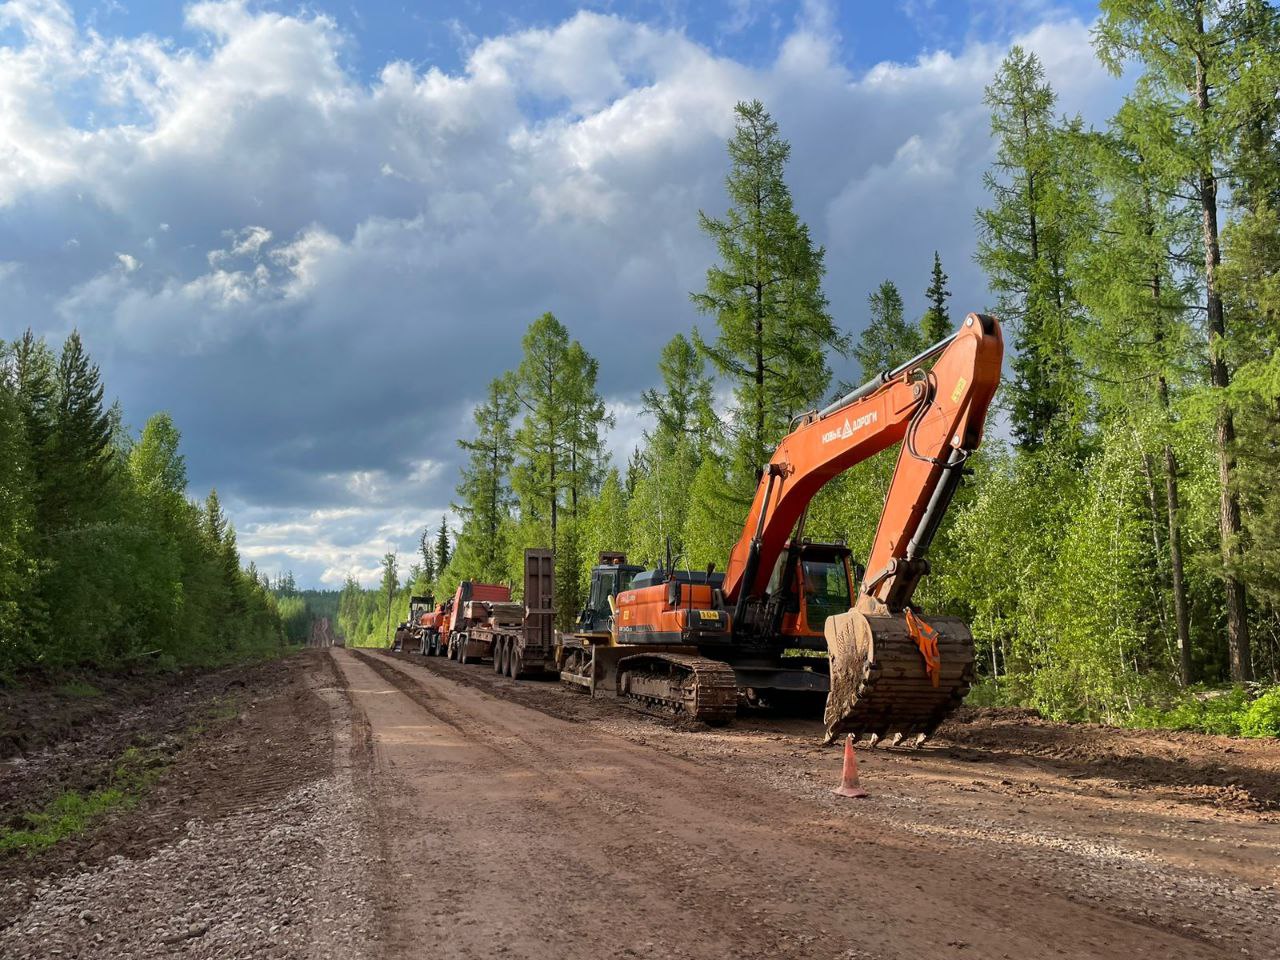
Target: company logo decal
850 427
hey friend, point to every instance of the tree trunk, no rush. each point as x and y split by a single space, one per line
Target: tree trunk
1181 611
1220 378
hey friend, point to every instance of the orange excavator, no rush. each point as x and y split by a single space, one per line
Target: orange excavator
784 615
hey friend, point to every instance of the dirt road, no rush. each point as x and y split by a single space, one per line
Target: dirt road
554 827
459 814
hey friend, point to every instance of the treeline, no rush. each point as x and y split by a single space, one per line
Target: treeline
1120 540
298 608
104 561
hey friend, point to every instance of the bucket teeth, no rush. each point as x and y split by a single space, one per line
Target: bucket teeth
880 686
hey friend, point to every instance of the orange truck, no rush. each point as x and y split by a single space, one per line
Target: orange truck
518 638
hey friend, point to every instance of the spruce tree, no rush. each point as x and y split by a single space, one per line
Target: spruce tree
773 330
427 550
444 552
80 455
936 323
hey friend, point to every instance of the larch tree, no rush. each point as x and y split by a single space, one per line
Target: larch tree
543 438
1196 58
390 583
888 338
1022 246
484 489
1130 275
683 408
773 329
588 418
682 437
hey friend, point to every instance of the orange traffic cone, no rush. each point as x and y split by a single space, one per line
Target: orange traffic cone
849 777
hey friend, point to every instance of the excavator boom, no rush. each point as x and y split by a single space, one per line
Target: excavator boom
937 415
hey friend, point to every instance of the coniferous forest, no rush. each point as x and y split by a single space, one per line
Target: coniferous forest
104 561
1117 548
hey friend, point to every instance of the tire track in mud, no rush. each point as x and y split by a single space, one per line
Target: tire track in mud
764 872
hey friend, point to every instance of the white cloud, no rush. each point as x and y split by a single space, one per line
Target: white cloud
336 267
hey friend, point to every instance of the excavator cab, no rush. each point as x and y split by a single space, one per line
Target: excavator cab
811 581
609 577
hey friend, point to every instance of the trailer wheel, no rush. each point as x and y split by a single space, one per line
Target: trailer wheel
462 649
515 664
499 650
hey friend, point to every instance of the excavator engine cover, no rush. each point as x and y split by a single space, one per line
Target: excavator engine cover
881 684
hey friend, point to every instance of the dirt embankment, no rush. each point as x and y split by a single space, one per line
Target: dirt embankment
250 843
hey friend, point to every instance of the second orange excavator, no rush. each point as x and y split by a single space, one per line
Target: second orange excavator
784 615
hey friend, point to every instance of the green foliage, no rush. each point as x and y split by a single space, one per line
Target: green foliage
485 489
558 450
103 559
1038 197
1235 712
773 329
72 813
1262 719
888 338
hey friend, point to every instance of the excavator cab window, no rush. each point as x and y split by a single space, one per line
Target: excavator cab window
826 589
606 582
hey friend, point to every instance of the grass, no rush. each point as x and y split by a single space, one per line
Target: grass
1252 711
73 813
79 690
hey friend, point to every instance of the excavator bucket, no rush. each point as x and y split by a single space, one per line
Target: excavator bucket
894 677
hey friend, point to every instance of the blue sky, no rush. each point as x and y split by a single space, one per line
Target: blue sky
285 223
749 31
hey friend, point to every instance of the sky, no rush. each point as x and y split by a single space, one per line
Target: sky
313 233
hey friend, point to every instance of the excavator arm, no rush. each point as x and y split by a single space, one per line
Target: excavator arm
937 414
